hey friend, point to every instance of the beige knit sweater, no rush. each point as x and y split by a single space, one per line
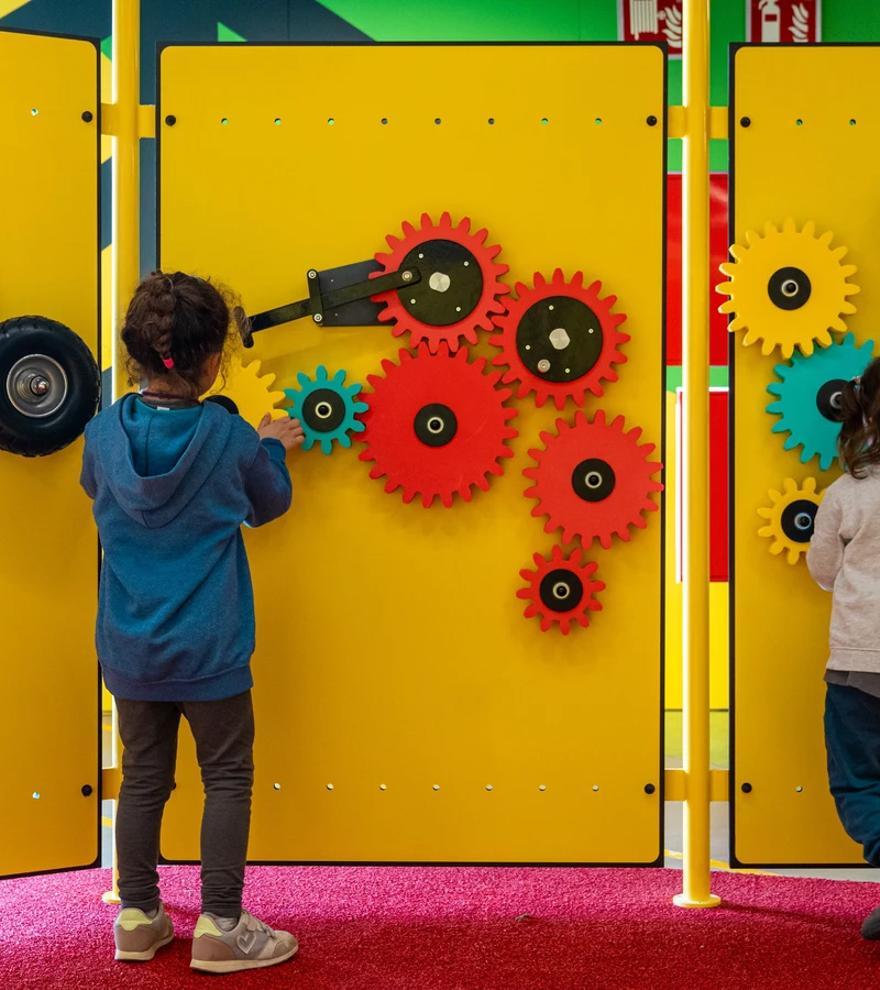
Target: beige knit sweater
844 558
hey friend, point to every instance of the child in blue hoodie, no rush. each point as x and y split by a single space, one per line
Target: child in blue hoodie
173 479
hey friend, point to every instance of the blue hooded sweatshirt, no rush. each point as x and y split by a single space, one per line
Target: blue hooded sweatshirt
171 489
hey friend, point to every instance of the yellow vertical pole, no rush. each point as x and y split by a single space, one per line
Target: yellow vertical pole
696 876
126 168
126 227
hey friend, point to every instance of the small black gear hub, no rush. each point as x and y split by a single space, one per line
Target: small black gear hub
789 288
323 410
828 399
593 480
559 339
798 519
435 424
561 590
451 285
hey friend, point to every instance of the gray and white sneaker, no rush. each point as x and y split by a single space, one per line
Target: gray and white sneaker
138 936
250 944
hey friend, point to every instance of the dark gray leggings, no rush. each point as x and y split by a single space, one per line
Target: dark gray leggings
224 735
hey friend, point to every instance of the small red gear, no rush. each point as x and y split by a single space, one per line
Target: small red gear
593 479
459 276
561 590
436 425
540 324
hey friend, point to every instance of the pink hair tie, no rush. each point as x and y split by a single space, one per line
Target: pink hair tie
168 362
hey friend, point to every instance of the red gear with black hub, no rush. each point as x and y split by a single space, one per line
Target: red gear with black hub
559 339
561 590
460 285
436 425
593 479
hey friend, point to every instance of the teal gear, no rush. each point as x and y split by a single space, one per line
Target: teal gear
807 393
327 408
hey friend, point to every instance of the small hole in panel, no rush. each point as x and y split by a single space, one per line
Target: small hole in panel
438 121
545 121
383 121
799 122
277 122
490 121
36 795
224 121
598 121
35 111
852 122
331 121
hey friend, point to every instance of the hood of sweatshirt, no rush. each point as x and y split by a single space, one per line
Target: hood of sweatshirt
159 460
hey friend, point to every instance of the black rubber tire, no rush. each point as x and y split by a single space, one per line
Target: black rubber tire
36 437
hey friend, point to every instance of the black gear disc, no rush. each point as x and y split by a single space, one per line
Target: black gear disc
559 339
561 590
323 410
593 479
435 424
828 399
798 519
451 285
789 288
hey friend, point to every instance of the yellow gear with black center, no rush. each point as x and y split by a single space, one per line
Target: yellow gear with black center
790 518
787 288
249 390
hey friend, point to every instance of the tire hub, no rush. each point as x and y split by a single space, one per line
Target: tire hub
828 399
798 519
36 385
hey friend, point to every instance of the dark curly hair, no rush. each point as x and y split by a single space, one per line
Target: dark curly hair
859 441
174 323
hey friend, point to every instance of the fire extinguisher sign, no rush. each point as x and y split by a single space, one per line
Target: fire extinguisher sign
787 21
651 20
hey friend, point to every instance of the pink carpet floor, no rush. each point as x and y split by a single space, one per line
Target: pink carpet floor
465 929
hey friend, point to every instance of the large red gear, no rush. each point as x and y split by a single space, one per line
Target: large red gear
576 490
460 451
561 590
488 303
603 320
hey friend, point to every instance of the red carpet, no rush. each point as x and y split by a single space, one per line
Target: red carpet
465 929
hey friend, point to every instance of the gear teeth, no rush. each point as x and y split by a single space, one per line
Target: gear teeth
774 529
348 397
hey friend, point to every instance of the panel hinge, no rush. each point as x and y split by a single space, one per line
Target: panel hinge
677 123
111 782
676 785
146 120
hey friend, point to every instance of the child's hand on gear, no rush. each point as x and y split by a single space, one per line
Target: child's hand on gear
288 431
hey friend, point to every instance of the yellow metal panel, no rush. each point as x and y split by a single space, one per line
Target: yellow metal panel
49 265
391 647
827 170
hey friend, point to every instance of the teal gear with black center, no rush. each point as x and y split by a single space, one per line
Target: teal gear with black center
327 408
808 395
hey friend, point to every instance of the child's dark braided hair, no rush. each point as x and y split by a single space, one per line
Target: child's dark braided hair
859 441
174 323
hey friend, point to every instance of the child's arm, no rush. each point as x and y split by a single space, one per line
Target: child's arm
87 475
825 556
267 483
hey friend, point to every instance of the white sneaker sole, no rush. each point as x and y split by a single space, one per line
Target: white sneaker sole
144 956
237 965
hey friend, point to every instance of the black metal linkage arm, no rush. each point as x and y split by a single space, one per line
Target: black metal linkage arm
317 302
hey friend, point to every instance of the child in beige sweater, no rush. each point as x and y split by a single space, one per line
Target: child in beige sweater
844 558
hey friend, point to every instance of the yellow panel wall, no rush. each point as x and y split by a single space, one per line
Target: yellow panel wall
810 152
49 266
391 647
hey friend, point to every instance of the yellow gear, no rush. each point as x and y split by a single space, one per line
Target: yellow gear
787 288
790 518
249 390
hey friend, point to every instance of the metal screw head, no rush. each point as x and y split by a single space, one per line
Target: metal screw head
745 121
39 385
651 120
88 116
171 120
86 790
406 276
318 318
543 365
312 273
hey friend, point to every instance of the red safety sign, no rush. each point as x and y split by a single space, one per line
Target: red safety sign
789 21
651 20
